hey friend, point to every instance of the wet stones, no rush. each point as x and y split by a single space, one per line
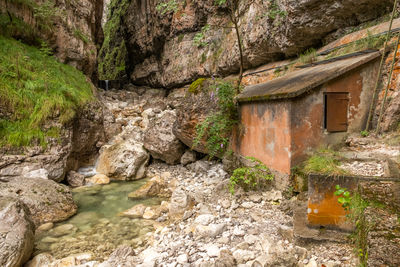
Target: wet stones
75 179
156 186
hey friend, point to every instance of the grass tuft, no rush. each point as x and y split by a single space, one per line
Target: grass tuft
324 161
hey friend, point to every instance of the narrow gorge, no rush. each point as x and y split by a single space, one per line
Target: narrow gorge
199 133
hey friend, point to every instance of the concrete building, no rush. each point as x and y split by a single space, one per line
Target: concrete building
283 119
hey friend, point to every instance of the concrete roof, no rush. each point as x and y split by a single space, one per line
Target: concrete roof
299 82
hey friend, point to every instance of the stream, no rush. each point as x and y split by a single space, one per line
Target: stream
97 227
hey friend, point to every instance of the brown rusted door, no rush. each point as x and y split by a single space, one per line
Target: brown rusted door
336 112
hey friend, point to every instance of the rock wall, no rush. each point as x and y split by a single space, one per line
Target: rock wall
77 145
72 29
160 42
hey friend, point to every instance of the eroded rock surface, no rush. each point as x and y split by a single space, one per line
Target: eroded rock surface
77 143
193 110
123 160
160 141
270 30
75 28
16 232
46 200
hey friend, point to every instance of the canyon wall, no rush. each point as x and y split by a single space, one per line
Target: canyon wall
70 28
172 45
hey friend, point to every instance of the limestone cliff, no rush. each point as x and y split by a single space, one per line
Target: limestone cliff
71 29
167 46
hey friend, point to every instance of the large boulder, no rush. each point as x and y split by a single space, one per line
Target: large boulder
125 158
46 200
16 232
160 141
194 110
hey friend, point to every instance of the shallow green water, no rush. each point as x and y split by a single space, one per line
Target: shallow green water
97 228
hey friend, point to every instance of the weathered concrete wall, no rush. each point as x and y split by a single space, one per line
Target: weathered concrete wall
359 84
307 112
323 206
265 133
281 133
306 124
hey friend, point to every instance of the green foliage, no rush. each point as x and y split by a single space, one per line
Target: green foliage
356 206
45 49
45 14
250 178
344 197
18 28
199 38
113 53
364 133
220 2
275 11
217 127
308 57
167 7
324 161
80 35
195 87
35 88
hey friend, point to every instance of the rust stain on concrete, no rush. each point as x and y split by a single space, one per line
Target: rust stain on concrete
326 212
266 134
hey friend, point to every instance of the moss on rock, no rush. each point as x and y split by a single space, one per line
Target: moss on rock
113 53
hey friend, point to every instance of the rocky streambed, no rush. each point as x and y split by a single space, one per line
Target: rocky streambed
159 214
97 228
201 224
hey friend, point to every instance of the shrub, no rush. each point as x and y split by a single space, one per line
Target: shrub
217 127
168 6
250 178
355 205
199 38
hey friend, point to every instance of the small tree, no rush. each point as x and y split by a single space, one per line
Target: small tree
233 7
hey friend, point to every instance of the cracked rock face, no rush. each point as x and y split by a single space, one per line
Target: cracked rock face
16 232
75 34
46 200
160 141
269 31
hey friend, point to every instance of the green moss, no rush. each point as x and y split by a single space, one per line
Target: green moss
195 87
180 37
35 88
203 57
80 35
113 53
